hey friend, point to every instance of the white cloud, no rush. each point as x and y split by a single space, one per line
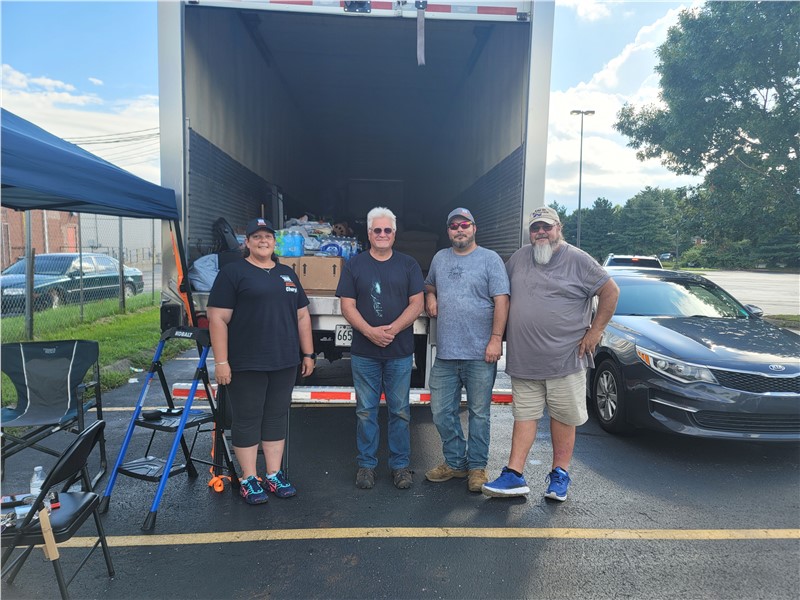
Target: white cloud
95 81
65 111
588 10
610 168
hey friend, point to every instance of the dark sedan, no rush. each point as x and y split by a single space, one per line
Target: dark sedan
59 278
682 355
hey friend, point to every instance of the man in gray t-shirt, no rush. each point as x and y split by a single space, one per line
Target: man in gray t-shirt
551 338
467 292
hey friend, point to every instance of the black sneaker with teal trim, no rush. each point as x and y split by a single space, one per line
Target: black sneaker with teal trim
279 485
251 491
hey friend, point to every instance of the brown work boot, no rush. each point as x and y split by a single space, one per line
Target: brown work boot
402 478
477 477
365 478
444 472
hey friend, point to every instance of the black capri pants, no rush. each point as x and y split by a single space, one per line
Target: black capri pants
259 402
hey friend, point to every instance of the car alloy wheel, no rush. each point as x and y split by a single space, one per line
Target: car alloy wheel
130 291
608 397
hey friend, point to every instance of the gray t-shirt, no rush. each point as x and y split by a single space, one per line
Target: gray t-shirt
550 311
465 288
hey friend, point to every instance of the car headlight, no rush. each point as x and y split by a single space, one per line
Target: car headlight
13 292
675 369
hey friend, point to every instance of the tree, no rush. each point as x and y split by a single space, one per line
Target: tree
646 222
598 229
730 91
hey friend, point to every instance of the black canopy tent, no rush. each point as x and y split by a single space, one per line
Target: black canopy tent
42 171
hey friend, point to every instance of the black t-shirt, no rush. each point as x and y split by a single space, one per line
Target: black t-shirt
381 290
262 333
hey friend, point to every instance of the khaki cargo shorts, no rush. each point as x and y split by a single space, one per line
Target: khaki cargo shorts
565 398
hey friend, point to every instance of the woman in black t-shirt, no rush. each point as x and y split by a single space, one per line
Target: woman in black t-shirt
259 323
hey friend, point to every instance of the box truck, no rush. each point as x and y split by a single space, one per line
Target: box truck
329 108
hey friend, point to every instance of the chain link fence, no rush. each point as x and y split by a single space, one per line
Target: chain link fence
76 274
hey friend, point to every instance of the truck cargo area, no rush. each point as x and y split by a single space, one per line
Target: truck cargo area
334 113
285 109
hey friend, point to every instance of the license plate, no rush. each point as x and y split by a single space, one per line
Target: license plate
343 336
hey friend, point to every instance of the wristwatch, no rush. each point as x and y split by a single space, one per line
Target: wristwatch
312 356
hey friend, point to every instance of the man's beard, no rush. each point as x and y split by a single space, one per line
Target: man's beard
464 243
542 253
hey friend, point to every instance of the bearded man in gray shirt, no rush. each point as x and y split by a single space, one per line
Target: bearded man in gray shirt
467 292
550 340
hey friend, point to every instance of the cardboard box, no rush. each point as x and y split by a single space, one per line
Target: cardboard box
319 272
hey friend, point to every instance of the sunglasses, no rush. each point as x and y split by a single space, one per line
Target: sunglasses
462 225
544 227
385 231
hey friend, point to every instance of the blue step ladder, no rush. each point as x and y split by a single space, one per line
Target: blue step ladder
174 420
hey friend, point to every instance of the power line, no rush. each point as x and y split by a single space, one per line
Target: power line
81 139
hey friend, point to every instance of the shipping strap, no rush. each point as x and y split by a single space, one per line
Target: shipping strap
421 6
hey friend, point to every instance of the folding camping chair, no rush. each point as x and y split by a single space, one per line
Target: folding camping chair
48 377
39 527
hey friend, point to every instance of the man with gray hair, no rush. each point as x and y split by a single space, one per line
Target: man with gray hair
551 336
382 295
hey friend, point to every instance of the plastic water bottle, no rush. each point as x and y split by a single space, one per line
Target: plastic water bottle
37 480
299 244
280 242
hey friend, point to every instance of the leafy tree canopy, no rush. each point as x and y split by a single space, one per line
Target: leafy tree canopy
730 92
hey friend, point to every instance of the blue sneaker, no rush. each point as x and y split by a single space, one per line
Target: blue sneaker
252 492
279 485
558 482
507 485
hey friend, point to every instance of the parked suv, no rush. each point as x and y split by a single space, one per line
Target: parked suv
632 260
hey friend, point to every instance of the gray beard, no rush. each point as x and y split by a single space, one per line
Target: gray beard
461 244
542 253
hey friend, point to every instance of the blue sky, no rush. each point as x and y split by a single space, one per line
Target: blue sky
83 69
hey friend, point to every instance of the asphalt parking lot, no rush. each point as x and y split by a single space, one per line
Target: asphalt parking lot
774 293
649 516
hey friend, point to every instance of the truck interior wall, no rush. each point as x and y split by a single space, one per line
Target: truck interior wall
486 119
311 102
234 93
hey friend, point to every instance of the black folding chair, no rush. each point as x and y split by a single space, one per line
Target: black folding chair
40 528
48 377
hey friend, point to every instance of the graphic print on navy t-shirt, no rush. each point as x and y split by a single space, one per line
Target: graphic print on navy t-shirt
375 293
290 286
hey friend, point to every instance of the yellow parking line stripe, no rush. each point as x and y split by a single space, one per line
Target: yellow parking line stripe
227 537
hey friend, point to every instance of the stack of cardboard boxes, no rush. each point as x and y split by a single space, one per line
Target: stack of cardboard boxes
317 273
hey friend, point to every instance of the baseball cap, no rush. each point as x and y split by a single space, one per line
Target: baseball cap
544 214
256 224
460 212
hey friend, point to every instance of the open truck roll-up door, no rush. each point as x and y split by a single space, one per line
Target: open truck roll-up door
303 99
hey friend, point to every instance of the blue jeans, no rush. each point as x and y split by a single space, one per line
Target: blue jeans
393 377
446 380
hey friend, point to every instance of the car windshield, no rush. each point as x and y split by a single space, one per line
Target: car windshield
659 298
43 265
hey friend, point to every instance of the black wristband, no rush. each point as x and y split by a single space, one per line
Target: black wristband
312 356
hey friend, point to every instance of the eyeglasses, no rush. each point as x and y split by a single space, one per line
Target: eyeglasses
265 236
385 231
462 225
536 227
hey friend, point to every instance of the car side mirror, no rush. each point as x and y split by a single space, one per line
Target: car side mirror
73 273
754 310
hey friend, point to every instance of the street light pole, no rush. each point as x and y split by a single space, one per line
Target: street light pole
580 170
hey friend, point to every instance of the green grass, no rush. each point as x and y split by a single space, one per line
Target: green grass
126 340
790 321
